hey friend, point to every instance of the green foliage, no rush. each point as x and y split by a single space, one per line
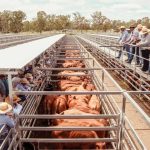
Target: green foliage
15 21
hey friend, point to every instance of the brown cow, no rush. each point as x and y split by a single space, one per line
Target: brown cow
59 104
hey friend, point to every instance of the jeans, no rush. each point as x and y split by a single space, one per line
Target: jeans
120 52
145 54
127 47
135 50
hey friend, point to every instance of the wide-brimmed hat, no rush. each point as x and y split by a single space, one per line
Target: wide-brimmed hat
132 26
139 26
122 27
24 80
5 108
144 31
28 75
15 99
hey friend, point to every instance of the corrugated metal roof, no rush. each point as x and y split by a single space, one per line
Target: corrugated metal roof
17 57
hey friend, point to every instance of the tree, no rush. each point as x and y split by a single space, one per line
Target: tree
41 21
146 21
16 21
50 23
5 21
107 25
98 20
62 22
80 22
26 26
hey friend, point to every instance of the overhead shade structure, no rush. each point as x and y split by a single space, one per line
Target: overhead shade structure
17 57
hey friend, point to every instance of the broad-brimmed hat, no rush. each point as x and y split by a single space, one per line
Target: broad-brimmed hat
144 31
132 26
5 108
139 26
28 75
24 80
15 99
122 27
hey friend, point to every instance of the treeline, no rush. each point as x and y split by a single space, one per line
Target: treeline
15 21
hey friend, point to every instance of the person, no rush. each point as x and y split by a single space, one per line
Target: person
28 68
144 44
126 46
5 82
1 97
23 86
2 89
6 115
123 38
16 106
135 38
15 82
29 77
5 119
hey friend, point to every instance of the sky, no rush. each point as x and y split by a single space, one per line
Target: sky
113 9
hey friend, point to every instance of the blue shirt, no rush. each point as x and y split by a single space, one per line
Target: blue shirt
124 36
23 87
5 119
17 109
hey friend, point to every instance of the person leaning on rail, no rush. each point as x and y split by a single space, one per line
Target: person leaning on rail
135 38
127 46
23 86
145 44
16 106
123 38
5 119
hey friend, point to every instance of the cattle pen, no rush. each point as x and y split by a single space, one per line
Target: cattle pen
34 125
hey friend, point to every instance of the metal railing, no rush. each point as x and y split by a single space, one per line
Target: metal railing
119 125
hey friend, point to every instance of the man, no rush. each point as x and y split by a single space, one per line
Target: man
23 86
127 47
122 39
5 119
2 90
16 106
145 44
135 38
3 78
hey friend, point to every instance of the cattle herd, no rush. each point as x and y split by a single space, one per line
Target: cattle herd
69 80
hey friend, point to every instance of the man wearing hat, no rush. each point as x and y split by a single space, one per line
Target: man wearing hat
16 106
145 44
5 119
23 85
135 38
124 36
5 110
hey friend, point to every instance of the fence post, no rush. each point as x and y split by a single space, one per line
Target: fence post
122 123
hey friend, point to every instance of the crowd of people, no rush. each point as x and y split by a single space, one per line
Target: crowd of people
136 43
27 79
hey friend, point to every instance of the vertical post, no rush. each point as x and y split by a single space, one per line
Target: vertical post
10 89
122 123
93 63
135 56
102 79
122 54
33 69
19 133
